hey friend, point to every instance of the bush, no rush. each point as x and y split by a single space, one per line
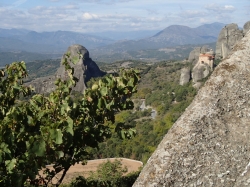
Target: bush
108 174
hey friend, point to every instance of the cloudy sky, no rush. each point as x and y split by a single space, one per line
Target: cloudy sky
119 15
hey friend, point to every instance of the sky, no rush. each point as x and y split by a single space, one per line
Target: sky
89 16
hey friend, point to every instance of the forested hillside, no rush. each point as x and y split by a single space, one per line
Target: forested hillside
159 88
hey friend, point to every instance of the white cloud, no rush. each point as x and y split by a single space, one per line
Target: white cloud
89 16
229 7
219 9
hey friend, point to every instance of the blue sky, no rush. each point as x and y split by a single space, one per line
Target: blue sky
119 15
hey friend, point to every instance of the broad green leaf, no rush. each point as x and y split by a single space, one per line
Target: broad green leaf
30 120
4 148
23 65
69 128
10 164
104 91
60 154
58 136
100 103
40 114
123 134
94 87
39 147
131 82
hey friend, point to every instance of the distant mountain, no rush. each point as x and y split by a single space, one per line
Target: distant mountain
13 40
210 29
126 35
181 35
173 35
12 32
47 42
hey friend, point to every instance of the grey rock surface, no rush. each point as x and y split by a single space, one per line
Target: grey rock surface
209 144
246 27
199 72
84 69
185 75
227 38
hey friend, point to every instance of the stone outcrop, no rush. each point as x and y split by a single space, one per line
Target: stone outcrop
84 69
185 75
199 72
227 38
194 54
246 27
209 144
203 60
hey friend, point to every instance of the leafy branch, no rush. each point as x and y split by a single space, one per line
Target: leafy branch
56 129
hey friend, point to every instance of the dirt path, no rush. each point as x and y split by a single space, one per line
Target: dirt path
83 170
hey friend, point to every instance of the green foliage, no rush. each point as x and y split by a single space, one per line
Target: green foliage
55 129
164 94
109 171
108 174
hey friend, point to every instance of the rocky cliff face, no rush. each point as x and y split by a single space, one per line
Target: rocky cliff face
199 72
84 69
209 144
228 37
246 27
185 75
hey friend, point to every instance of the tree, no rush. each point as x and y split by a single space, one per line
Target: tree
55 129
108 174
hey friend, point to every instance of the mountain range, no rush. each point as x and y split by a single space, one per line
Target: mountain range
16 40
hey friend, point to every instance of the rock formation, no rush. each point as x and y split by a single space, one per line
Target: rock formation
203 67
227 38
199 72
209 144
185 75
246 27
84 69
194 54
204 62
